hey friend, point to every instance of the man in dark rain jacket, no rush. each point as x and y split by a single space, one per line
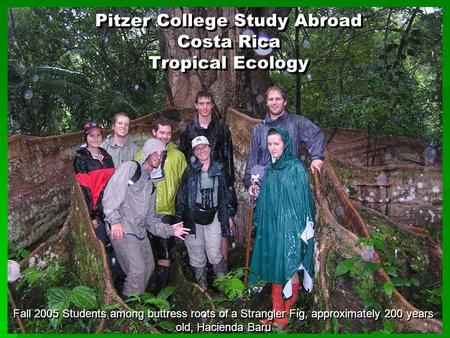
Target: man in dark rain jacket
217 132
300 129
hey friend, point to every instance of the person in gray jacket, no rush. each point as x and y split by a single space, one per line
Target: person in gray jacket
300 129
119 145
129 208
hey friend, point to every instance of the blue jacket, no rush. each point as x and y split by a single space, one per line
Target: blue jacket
300 129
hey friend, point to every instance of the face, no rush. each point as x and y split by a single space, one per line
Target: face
202 152
94 138
154 159
276 145
204 106
164 133
121 126
275 102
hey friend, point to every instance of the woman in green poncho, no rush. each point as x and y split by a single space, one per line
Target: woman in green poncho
284 216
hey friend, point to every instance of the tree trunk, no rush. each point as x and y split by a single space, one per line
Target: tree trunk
182 87
228 86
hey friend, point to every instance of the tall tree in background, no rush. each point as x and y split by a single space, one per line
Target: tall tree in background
182 87
230 86
384 76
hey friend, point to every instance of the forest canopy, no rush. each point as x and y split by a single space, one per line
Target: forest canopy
384 77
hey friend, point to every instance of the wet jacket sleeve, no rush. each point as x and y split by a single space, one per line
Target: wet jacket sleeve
253 158
230 195
228 155
182 198
115 192
158 228
83 178
184 146
314 138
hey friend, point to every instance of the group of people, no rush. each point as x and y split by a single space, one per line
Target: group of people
139 200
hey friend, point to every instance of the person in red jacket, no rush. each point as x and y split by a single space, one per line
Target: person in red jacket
93 167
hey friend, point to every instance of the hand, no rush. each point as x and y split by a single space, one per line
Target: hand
316 165
117 231
94 223
232 225
179 231
254 190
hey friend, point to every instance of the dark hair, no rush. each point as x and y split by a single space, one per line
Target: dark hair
204 93
86 135
273 131
278 89
162 121
115 117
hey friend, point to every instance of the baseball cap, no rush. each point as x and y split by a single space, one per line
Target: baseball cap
199 140
91 125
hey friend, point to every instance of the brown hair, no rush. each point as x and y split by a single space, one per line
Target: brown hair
162 121
115 117
86 135
204 93
278 89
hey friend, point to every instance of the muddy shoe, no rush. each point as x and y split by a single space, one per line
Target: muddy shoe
200 277
220 269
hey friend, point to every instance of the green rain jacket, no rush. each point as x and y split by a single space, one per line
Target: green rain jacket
283 220
166 190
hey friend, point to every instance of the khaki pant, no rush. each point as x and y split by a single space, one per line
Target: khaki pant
207 241
136 259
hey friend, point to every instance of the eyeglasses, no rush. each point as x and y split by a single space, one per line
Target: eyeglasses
201 147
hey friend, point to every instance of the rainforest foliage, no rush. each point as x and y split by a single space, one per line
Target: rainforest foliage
384 77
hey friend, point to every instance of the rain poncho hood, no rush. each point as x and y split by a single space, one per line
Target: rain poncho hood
283 220
150 146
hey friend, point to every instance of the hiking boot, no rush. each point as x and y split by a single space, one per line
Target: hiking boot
220 269
200 277
162 277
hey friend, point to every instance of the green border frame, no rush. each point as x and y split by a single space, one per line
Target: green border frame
197 3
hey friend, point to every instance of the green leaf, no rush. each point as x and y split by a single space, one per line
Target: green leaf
364 240
168 326
388 288
388 326
238 273
55 296
166 292
379 244
83 297
159 303
370 267
32 275
55 321
234 288
335 325
391 270
113 306
344 267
